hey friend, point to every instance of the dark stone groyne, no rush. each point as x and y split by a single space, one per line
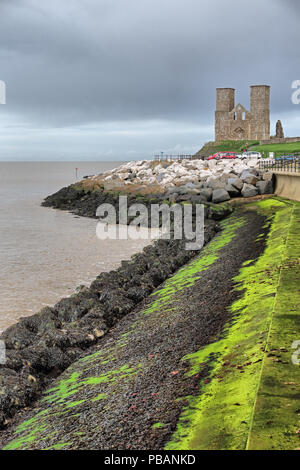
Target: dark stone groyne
40 347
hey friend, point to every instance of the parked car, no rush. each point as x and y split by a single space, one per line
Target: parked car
216 156
232 155
285 158
251 155
221 155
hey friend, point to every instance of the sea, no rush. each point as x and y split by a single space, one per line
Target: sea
45 253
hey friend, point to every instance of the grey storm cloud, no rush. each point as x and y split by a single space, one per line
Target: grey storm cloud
100 61
294 4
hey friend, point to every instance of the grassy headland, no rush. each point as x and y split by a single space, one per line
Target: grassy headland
278 149
211 148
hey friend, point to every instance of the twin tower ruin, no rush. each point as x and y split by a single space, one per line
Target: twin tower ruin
235 122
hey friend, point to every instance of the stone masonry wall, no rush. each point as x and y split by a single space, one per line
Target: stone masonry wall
285 140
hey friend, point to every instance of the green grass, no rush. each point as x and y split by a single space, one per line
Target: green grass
279 149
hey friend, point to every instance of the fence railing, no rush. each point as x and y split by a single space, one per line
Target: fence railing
266 154
174 158
292 166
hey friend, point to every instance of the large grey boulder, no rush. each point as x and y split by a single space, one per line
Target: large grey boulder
207 193
182 190
249 190
217 183
198 199
246 173
265 187
183 198
231 175
232 191
251 179
220 195
190 186
252 171
161 177
170 191
268 176
236 183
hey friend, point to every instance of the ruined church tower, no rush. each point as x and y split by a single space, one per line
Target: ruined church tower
235 122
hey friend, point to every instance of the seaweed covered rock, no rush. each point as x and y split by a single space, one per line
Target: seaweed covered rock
42 346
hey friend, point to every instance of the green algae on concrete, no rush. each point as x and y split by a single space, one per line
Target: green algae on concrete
72 385
276 418
250 399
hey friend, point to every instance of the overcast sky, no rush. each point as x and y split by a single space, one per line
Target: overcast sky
124 79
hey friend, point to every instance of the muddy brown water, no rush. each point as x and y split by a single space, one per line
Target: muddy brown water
45 253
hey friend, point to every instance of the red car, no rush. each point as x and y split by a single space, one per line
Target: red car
220 155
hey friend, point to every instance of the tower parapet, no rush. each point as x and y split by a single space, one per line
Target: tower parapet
260 112
225 99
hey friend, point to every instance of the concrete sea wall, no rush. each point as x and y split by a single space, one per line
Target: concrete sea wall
288 185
